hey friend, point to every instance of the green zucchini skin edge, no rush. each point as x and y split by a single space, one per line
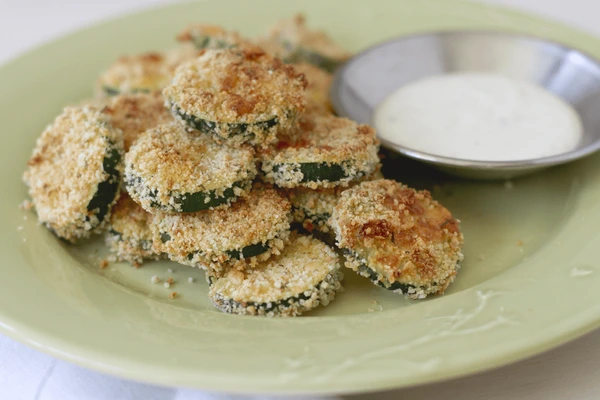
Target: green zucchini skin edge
314 218
233 129
164 237
247 251
109 188
272 305
205 41
321 171
113 91
302 54
252 250
192 202
144 244
374 277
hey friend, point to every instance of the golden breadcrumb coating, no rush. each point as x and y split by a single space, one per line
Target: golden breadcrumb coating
398 237
235 89
208 239
305 275
145 72
129 236
167 163
66 168
321 139
135 113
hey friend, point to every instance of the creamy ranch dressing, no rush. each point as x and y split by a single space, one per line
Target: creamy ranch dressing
478 116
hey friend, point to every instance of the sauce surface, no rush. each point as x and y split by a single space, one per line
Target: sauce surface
478 116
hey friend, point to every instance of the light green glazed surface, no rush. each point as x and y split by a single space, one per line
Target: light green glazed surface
529 282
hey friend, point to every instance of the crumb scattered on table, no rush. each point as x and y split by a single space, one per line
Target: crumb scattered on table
103 264
154 279
173 295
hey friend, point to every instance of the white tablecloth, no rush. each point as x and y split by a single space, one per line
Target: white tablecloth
570 372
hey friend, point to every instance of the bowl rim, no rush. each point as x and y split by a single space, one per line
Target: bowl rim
445 161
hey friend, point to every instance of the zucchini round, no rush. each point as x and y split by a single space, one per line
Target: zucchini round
399 238
305 275
136 113
170 170
142 73
237 95
74 173
322 151
251 229
297 44
129 236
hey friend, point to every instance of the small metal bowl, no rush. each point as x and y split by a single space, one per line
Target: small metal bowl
368 78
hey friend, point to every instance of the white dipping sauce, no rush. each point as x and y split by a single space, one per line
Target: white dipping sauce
478 116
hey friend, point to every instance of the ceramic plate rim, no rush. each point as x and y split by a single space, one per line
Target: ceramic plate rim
88 356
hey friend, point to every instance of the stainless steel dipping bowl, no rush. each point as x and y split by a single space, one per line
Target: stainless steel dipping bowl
368 78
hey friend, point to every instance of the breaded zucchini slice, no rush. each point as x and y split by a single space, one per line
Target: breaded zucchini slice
321 151
74 173
399 238
305 275
312 208
317 90
129 236
135 113
206 36
300 44
237 95
252 229
170 170
145 72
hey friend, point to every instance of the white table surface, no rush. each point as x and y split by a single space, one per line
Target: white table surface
569 372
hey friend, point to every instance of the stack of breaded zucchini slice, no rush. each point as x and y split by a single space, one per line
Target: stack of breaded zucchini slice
208 153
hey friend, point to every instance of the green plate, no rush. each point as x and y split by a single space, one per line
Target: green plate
529 282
